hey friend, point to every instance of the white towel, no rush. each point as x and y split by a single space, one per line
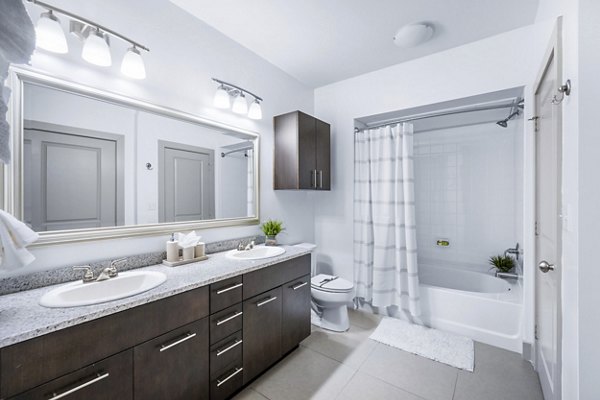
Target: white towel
15 236
17 42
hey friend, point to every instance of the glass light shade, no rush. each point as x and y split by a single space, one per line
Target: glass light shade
239 105
96 50
133 64
50 35
255 111
221 99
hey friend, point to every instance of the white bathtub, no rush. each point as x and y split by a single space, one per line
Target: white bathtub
473 304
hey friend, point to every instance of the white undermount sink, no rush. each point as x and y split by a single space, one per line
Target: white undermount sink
126 284
256 253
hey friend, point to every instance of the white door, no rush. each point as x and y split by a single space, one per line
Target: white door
186 183
548 227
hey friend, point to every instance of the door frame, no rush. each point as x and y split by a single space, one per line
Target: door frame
553 53
164 144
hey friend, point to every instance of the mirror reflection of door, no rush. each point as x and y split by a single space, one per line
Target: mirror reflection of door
71 178
186 182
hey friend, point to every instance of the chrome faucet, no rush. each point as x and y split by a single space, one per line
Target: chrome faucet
88 276
110 272
245 246
514 251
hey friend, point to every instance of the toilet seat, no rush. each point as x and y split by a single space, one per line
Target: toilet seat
330 284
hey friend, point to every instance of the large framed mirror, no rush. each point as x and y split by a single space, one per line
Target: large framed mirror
89 164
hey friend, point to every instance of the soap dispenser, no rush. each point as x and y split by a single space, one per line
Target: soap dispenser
172 249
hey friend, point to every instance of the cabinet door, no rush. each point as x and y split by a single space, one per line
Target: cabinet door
262 333
295 324
323 155
105 380
173 366
307 156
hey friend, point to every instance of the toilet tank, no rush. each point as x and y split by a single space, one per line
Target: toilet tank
313 257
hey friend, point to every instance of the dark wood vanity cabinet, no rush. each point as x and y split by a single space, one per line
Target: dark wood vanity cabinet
302 152
204 343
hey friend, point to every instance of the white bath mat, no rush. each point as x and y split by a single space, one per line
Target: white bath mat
456 351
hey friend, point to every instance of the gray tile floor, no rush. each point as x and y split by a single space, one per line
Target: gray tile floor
351 366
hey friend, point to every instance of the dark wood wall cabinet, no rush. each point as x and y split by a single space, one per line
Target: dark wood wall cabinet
206 343
302 152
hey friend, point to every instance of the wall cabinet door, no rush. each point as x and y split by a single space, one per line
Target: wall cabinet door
323 155
262 332
173 366
105 380
295 325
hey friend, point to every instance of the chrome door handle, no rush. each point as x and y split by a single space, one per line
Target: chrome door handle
262 303
237 371
544 266
228 288
98 377
231 346
232 316
299 285
187 336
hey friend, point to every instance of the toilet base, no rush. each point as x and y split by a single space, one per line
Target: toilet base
333 319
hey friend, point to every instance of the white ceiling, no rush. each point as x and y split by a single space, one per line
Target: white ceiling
324 41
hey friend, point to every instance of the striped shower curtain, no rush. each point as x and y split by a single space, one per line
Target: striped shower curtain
385 244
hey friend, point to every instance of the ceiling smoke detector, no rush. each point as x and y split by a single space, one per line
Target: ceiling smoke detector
413 35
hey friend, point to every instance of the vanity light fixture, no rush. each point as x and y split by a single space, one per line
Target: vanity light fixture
225 91
50 35
96 48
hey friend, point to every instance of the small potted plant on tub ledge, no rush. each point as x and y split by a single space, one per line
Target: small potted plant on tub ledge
504 266
271 228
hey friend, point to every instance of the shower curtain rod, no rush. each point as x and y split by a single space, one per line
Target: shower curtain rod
440 114
235 151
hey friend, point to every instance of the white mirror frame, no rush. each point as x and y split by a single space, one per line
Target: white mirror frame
11 174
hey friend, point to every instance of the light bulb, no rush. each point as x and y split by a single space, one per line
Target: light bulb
96 50
133 64
221 99
50 35
255 111
239 105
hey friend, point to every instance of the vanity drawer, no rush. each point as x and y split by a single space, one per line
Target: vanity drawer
260 281
225 354
227 383
225 293
226 322
108 379
36 361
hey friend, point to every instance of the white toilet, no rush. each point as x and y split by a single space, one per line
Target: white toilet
330 297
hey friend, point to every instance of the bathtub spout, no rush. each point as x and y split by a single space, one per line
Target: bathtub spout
507 275
514 250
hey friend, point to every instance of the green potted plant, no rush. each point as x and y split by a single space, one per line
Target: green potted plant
271 228
502 263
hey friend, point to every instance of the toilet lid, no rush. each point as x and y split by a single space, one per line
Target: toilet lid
330 283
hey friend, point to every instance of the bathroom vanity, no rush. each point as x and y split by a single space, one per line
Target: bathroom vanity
210 329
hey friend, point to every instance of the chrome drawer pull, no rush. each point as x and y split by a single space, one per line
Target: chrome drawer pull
222 321
300 285
188 336
231 346
98 378
227 289
262 303
237 371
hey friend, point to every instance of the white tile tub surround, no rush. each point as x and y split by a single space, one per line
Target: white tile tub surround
468 184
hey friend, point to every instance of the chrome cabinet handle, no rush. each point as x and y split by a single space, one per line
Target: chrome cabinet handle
544 266
228 288
188 336
266 301
98 377
314 175
320 179
237 371
299 285
231 346
227 319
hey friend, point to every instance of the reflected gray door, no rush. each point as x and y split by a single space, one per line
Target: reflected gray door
186 183
72 181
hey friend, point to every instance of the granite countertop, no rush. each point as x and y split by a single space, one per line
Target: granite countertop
22 318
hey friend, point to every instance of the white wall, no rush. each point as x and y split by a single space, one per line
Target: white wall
467 191
185 54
